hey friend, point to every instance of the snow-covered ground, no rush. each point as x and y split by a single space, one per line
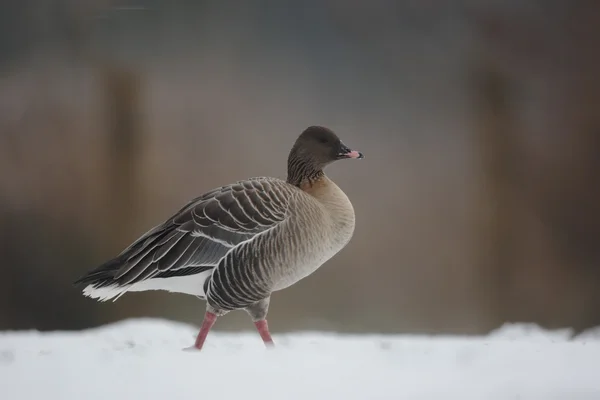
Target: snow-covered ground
143 359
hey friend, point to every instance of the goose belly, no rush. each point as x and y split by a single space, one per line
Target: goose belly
308 259
190 284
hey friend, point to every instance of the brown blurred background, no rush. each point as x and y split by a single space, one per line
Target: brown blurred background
478 201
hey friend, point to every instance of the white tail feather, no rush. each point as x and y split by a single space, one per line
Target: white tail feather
190 284
105 293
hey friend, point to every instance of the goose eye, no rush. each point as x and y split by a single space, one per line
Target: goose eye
322 140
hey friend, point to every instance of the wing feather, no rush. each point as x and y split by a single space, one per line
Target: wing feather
201 233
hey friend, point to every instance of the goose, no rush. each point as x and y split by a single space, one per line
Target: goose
235 245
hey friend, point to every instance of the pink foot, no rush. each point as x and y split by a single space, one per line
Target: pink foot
263 329
209 321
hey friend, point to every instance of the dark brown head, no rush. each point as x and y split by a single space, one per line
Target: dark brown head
314 149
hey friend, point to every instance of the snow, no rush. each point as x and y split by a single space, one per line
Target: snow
143 359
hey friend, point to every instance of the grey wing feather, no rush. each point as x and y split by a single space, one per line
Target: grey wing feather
201 233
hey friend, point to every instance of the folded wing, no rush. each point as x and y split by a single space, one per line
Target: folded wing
198 236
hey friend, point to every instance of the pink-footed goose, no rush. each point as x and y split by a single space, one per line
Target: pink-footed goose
235 245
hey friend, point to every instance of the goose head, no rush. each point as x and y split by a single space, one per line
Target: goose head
314 149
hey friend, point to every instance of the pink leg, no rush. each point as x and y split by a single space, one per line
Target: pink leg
209 321
263 329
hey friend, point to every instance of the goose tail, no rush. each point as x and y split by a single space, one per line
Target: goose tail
100 283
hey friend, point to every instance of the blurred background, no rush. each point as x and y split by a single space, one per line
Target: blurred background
478 201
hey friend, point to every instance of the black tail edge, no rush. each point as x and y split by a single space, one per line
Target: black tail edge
101 276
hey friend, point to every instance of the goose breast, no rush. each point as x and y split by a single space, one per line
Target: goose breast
321 224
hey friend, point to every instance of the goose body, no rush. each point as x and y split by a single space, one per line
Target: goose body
235 245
